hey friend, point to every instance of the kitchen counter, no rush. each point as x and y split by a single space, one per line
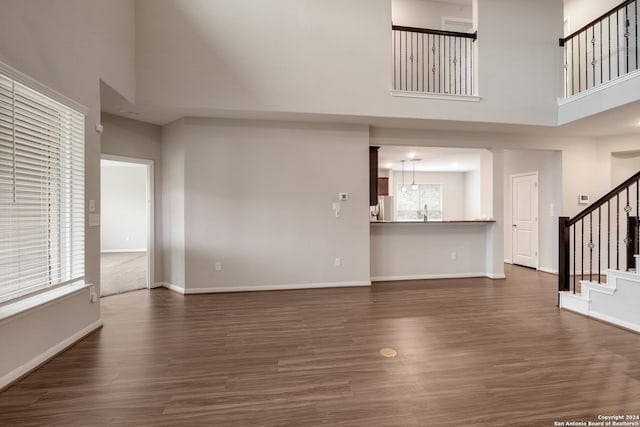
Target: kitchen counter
430 250
478 221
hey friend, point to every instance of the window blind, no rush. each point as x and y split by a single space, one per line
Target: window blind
41 192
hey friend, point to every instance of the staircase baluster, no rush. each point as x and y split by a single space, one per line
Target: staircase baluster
618 231
599 240
609 61
593 55
581 250
608 234
395 87
590 247
626 35
601 61
575 245
422 37
627 239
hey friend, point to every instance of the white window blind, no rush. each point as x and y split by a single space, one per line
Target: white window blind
41 192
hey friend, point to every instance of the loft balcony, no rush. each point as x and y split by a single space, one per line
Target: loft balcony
603 51
600 64
430 63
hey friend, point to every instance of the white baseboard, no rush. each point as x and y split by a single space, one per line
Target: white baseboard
574 302
548 270
628 325
496 276
172 287
508 261
428 277
225 289
275 287
156 285
119 251
34 363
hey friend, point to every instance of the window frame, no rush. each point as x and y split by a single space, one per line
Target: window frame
398 195
16 301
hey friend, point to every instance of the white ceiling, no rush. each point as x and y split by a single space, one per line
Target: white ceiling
431 159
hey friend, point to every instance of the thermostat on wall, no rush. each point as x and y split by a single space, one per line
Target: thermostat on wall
583 199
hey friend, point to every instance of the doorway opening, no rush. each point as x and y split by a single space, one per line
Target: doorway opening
524 219
126 232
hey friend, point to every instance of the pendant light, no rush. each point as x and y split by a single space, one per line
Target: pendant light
414 186
403 189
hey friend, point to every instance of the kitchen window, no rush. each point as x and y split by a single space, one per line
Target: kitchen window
415 204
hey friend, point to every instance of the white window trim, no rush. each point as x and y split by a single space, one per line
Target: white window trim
27 303
395 207
30 303
44 90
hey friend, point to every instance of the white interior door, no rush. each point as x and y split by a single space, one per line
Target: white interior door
524 199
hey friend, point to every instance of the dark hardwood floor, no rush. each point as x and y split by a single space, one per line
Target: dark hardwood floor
470 352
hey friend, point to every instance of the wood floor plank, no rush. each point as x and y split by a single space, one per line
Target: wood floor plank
473 352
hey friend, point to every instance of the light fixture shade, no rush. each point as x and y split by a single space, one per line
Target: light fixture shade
414 186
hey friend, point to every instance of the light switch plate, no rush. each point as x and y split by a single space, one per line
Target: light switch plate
94 220
92 205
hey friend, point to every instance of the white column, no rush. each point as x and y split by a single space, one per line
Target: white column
494 248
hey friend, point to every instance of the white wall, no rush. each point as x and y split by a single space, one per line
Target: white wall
258 199
548 164
426 13
453 190
60 44
123 198
581 12
131 138
618 156
418 250
173 203
187 58
623 166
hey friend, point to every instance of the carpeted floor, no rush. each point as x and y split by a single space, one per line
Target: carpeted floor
122 272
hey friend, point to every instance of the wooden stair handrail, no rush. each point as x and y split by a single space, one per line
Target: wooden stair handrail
602 200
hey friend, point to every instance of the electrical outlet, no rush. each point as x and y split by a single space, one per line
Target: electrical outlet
454 256
218 266
338 262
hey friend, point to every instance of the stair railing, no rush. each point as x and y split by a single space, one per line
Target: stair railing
592 240
603 50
